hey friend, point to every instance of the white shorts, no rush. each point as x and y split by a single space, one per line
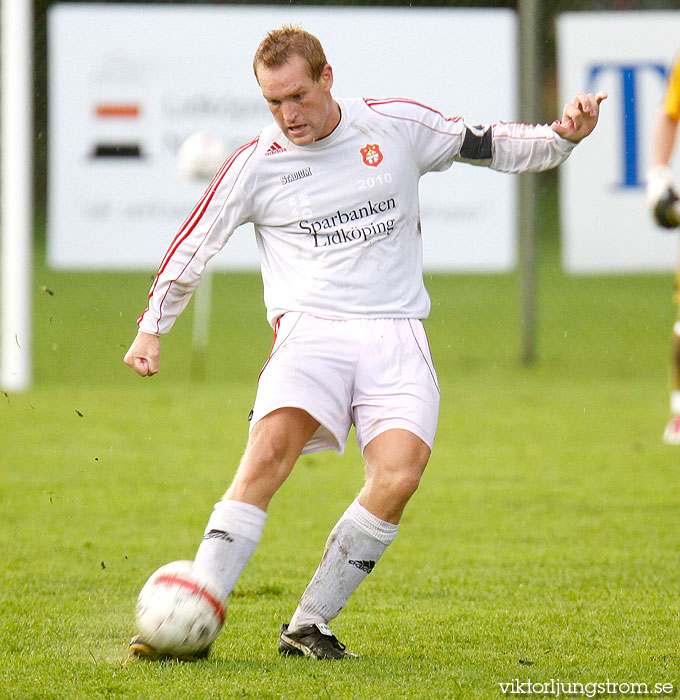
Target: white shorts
375 374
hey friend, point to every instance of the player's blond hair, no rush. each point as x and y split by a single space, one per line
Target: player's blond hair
280 44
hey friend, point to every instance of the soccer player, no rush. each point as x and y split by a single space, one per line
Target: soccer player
662 198
332 190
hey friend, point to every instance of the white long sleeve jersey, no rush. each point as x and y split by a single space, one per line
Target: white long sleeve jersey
337 222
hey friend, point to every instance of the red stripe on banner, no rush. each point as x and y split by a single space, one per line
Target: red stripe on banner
129 111
175 580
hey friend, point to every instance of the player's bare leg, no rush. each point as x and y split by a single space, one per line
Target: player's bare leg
235 526
671 434
395 461
275 443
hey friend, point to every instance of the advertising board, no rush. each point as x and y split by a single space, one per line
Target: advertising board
129 83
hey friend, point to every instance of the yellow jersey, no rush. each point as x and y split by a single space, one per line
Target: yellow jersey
671 104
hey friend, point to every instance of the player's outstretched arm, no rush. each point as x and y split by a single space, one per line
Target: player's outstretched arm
579 116
143 354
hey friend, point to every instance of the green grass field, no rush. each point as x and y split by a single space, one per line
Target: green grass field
542 544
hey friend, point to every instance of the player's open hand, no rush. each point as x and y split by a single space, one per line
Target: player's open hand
143 354
580 116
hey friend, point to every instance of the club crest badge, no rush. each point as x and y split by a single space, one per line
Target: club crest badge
371 154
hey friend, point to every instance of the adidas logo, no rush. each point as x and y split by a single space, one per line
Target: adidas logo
275 149
366 566
218 535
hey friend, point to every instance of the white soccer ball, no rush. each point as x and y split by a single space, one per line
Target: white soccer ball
180 611
201 155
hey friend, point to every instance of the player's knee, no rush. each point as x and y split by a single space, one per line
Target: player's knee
401 485
408 484
263 468
267 453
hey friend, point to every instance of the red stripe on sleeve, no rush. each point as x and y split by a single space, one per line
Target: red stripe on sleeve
190 224
201 207
373 104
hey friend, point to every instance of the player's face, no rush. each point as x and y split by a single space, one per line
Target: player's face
302 107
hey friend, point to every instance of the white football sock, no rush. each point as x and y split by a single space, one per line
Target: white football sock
233 531
352 550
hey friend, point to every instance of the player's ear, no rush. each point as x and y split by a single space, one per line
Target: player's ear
326 78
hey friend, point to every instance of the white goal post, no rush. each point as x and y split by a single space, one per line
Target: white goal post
16 188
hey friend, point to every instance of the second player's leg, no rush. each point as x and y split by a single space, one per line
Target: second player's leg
671 434
675 363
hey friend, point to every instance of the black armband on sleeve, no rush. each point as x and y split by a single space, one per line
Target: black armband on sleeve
477 143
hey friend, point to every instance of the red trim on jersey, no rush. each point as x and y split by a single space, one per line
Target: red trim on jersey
371 104
276 332
190 224
272 352
201 207
427 340
175 580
